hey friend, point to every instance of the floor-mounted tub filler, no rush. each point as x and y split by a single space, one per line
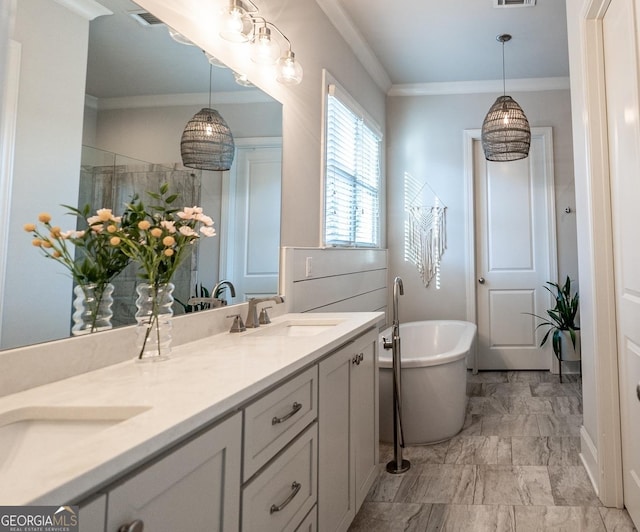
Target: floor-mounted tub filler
434 380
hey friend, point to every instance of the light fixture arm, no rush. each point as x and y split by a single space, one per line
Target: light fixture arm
258 20
243 4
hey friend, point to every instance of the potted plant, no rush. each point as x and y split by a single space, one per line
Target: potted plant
561 320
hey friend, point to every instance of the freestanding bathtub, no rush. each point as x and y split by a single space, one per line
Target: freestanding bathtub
433 380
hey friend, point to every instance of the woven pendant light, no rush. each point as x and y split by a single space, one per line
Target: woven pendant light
207 143
506 135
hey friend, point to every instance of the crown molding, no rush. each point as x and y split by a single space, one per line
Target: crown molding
343 23
175 100
479 86
88 9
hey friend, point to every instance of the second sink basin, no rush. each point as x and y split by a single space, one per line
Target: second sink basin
301 327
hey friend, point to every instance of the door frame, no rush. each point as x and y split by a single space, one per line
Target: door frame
602 457
469 137
8 121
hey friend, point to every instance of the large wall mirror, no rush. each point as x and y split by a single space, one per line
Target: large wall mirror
142 86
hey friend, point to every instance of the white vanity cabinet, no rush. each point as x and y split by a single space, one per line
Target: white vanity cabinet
278 497
348 440
299 456
196 488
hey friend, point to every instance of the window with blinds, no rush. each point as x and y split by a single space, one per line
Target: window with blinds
352 177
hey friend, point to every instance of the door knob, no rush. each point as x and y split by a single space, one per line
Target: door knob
481 280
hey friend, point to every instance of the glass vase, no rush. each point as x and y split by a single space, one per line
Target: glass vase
92 308
155 310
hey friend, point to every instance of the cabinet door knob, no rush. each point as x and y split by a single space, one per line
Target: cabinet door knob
481 280
134 526
295 488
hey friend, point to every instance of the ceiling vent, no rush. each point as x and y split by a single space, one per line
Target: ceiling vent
144 18
514 3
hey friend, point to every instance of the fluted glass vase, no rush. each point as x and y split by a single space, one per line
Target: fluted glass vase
92 308
154 314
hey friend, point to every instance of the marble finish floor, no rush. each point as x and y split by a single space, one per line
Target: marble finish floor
514 467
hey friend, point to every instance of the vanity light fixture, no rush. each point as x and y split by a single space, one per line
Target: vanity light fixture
241 23
242 79
178 37
237 23
213 60
207 142
506 135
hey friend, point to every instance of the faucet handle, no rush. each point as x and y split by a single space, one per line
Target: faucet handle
264 316
237 325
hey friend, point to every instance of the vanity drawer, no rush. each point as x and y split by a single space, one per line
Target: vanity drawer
275 419
280 497
310 523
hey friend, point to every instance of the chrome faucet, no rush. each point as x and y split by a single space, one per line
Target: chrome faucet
252 313
219 285
212 300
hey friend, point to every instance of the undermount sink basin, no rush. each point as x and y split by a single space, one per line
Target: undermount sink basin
293 328
34 431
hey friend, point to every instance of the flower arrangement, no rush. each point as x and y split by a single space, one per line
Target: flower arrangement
158 237
98 261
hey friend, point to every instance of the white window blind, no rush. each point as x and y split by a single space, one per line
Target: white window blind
352 178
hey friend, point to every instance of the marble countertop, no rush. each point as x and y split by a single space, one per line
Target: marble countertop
201 382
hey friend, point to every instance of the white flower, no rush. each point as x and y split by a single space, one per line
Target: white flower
206 220
93 220
72 234
168 225
105 215
187 231
190 213
208 231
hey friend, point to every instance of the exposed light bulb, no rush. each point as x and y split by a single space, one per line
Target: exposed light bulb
289 70
505 119
265 50
236 24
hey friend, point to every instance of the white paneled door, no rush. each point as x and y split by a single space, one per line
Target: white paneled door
621 53
253 214
515 255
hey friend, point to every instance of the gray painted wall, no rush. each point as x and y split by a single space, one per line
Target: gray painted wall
425 138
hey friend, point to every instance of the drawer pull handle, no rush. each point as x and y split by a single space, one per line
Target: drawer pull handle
296 407
295 488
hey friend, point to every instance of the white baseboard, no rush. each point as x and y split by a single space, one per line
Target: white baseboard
589 458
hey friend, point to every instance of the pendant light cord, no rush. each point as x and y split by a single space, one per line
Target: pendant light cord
504 83
211 70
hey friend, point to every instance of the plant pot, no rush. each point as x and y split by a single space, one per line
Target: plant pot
567 351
